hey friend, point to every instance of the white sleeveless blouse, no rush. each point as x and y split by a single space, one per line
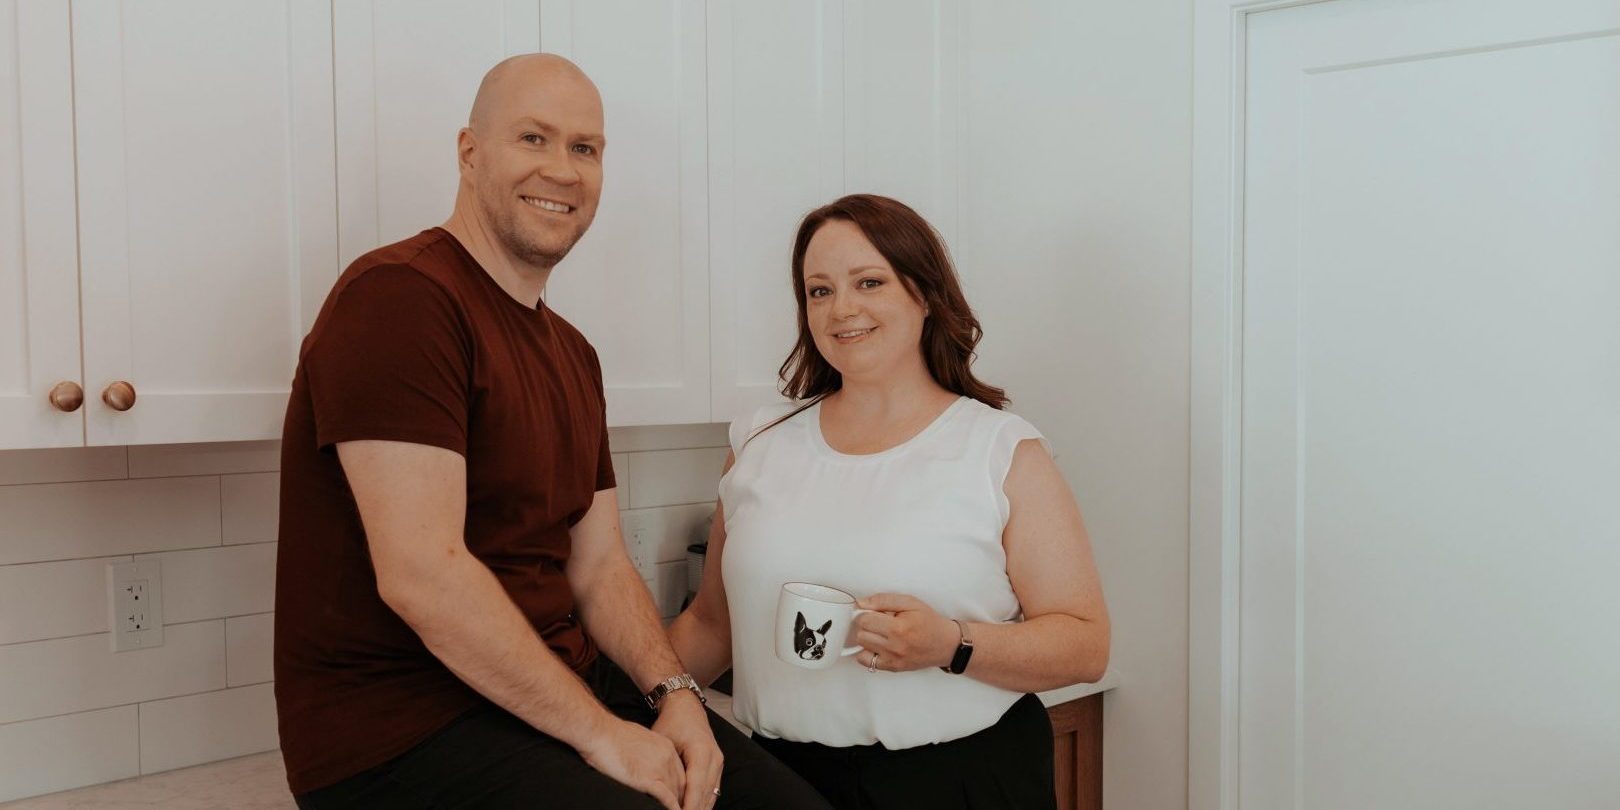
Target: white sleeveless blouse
923 518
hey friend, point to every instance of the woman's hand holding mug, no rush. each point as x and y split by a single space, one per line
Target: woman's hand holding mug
904 633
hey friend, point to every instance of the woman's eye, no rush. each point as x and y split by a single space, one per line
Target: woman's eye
818 292
869 283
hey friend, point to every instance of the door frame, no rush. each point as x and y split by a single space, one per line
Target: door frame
1219 72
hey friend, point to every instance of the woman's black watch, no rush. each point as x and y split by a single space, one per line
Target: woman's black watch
964 651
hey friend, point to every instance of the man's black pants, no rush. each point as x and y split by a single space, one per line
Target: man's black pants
488 758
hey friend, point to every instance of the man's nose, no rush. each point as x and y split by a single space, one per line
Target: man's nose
558 167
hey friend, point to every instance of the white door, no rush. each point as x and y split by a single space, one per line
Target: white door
637 284
206 209
776 149
1431 406
39 262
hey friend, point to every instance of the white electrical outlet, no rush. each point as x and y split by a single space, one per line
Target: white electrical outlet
639 543
135 604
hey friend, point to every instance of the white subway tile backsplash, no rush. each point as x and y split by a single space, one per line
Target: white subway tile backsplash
57 753
250 505
668 587
107 518
670 529
63 464
210 458
46 678
213 583
74 713
53 600
202 728
250 649
670 477
666 437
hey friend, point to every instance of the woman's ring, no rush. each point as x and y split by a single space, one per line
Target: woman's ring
872 666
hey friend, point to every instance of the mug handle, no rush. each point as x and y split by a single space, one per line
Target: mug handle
848 651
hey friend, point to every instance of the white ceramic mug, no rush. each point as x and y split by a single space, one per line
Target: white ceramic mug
812 622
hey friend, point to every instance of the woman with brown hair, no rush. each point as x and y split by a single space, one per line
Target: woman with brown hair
896 477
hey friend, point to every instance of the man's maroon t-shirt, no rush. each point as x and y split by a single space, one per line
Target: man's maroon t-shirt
416 343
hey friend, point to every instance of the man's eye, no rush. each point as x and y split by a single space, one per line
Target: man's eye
533 138
584 149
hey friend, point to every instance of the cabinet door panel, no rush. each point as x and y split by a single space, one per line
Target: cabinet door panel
39 274
902 120
776 106
207 209
637 283
407 71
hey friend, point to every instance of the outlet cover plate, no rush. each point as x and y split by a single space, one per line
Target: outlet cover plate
135 604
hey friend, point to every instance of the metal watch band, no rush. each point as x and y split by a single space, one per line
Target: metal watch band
684 680
964 651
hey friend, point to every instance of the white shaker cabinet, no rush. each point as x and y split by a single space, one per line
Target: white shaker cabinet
776 142
809 101
41 387
206 202
637 285
181 182
406 72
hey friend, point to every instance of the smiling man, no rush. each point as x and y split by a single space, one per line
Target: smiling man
457 620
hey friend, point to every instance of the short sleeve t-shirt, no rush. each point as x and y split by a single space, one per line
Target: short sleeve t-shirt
417 343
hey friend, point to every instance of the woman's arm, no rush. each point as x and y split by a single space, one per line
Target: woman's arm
701 635
1064 636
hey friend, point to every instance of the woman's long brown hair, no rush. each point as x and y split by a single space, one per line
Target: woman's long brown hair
918 255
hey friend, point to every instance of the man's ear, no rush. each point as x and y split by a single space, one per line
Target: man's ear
466 146
825 627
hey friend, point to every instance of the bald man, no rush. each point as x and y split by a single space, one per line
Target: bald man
457 620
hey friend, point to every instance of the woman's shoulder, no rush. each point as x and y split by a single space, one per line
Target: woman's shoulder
994 420
999 431
750 422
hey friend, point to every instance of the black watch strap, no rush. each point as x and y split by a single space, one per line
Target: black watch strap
964 651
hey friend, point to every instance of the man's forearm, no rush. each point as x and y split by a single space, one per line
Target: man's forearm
620 617
466 620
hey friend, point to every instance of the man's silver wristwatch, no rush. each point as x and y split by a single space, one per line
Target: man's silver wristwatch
684 680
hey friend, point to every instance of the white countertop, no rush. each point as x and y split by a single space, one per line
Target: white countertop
1054 697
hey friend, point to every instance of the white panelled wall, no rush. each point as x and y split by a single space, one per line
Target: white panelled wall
1074 252
74 713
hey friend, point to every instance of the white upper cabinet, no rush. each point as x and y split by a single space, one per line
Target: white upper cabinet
809 101
39 279
637 284
776 146
903 102
406 74
182 181
207 228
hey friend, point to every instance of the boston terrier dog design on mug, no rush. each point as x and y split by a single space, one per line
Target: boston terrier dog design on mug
812 620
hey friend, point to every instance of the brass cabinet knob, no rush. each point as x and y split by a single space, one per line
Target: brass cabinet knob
120 396
66 396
